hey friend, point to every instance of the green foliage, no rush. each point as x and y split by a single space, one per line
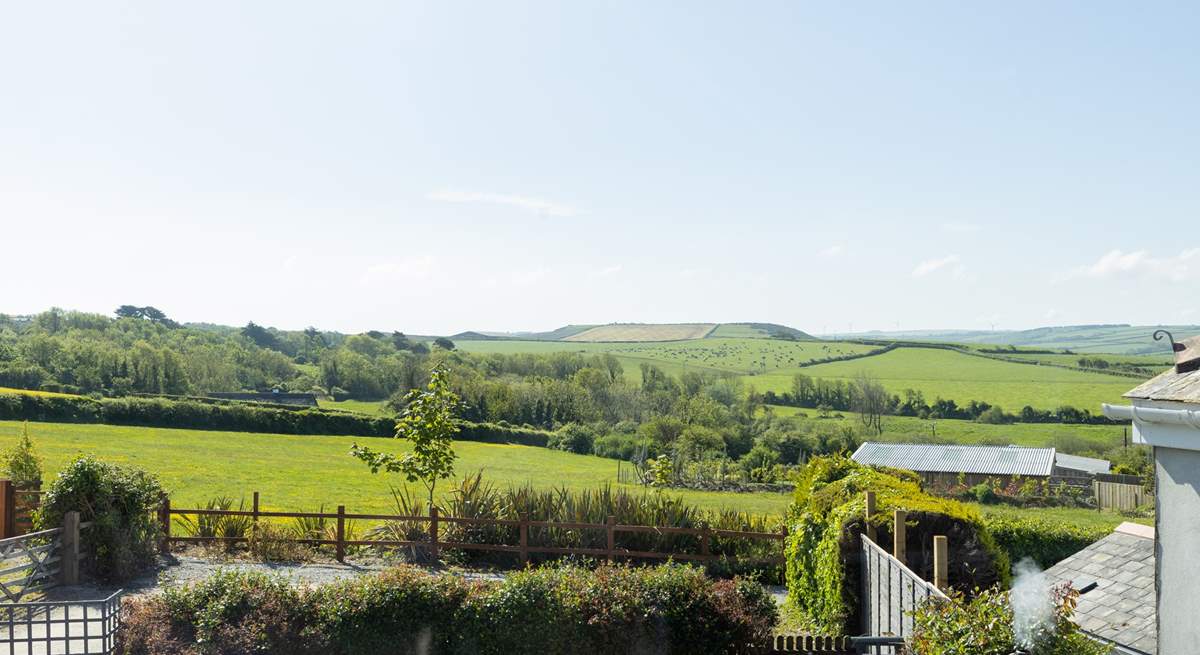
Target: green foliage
665 609
662 471
983 625
826 518
119 502
984 493
21 464
1046 541
234 416
428 424
574 438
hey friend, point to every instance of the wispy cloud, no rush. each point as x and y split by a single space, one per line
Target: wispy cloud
527 203
833 251
953 262
1117 263
608 271
962 228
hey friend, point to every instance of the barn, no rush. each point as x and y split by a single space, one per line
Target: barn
943 464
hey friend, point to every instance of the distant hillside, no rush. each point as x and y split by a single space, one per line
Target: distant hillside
643 332
1116 339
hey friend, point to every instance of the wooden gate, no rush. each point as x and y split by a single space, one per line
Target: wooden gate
891 591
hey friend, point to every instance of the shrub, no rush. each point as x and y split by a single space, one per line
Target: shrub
665 609
984 493
21 464
621 446
983 625
574 438
119 502
1047 542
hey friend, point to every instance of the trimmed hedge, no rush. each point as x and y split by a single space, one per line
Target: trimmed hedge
233 417
1047 542
611 609
825 522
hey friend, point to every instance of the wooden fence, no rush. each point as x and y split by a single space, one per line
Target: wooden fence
433 540
1121 497
17 506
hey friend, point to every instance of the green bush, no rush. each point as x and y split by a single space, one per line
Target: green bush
622 446
612 609
826 519
233 417
574 438
983 625
1047 542
119 502
984 493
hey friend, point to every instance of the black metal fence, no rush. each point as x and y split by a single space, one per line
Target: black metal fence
76 627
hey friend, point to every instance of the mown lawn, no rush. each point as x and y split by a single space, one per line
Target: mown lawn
962 378
303 472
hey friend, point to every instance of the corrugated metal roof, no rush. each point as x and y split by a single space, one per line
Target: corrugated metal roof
1077 463
1178 387
934 458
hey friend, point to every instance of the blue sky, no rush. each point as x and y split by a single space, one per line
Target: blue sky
436 167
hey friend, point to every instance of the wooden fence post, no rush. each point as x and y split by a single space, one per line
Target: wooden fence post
433 532
341 533
869 502
254 508
941 566
8 509
899 534
608 526
704 546
524 539
164 518
69 558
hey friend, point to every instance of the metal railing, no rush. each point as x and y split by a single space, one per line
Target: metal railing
75 627
891 592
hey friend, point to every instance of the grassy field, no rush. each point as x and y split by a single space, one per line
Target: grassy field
644 332
31 392
734 355
1068 438
303 472
952 375
372 407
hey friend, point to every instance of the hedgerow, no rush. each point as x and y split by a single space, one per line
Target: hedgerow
827 518
232 416
612 609
1047 542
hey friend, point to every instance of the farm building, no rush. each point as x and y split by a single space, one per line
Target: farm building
937 463
1065 464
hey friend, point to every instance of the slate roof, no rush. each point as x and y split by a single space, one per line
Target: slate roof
934 458
1086 464
1171 385
1121 609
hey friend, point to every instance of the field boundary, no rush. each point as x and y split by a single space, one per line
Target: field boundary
433 543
